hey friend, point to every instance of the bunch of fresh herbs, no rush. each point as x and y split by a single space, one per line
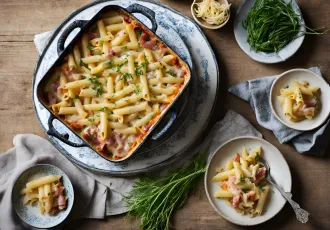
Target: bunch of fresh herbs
155 198
272 24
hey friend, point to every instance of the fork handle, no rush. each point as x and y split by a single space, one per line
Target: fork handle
301 214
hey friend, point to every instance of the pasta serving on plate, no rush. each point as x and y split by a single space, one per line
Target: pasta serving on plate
242 183
115 84
47 191
299 101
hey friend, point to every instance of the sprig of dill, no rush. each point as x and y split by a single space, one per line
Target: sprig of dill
155 198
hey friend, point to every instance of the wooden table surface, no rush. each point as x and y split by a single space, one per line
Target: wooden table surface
21 19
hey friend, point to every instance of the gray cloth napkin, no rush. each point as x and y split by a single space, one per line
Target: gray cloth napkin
30 150
257 92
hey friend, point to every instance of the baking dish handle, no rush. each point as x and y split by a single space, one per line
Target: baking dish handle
170 122
137 8
61 40
63 137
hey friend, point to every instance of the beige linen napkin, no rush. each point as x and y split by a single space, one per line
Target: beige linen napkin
29 150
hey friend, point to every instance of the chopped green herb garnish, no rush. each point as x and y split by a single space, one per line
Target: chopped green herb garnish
123 62
126 76
139 116
49 194
101 41
124 47
90 47
76 97
92 119
245 190
98 89
98 115
171 73
242 179
127 100
103 109
96 85
262 189
81 63
286 87
257 158
109 64
138 89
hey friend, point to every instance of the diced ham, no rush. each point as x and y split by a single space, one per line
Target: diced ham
111 54
251 195
236 200
260 174
118 139
234 190
163 106
58 190
310 102
146 42
178 85
55 85
127 147
90 134
147 127
61 202
237 158
182 73
231 180
303 110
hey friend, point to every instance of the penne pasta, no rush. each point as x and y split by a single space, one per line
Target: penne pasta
114 85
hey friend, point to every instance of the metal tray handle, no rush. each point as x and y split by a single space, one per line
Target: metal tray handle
170 122
76 24
137 8
63 137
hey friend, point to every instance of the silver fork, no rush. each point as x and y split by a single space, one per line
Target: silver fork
301 214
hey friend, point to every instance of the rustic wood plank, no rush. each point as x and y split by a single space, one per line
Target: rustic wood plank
22 19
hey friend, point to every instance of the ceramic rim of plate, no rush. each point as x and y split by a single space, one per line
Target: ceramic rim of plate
272 94
69 185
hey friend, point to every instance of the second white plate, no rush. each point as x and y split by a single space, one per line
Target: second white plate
279 169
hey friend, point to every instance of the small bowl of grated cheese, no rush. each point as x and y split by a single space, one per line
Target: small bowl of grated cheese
211 14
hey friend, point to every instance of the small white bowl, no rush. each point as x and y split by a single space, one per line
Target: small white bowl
31 214
279 169
203 23
287 78
268 58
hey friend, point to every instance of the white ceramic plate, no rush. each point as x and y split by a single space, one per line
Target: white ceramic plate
30 214
241 37
299 75
280 172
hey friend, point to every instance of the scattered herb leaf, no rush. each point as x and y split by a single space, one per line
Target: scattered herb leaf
241 179
171 73
257 158
90 47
